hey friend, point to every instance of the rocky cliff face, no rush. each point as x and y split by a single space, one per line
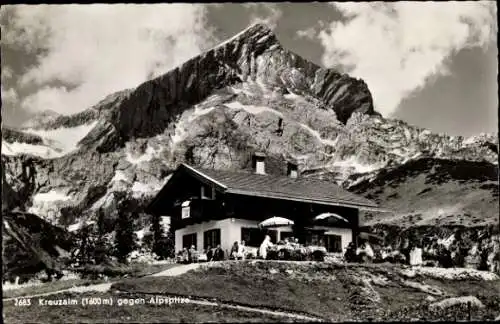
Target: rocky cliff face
246 94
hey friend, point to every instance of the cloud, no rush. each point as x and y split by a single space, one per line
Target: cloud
309 33
264 13
398 47
86 52
9 96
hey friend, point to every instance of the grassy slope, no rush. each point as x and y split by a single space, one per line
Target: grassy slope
435 192
133 270
146 313
327 291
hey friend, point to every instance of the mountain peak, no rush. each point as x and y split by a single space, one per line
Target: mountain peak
257 33
258 28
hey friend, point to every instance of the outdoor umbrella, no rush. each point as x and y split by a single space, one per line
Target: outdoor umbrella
276 222
329 215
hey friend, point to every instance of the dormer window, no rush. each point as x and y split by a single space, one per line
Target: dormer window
207 192
258 163
292 170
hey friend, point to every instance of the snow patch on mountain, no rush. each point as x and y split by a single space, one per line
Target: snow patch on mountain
77 226
413 157
103 202
44 204
316 134
292 96
356 165
183 124
119 176
147 156
251 108
62 140
18 148
52 195
140 189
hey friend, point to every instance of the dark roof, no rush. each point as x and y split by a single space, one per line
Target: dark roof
282 187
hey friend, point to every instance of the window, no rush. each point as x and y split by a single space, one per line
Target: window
252 236
260 167
188 240
333 243
211 238
207 192
313 238
186 209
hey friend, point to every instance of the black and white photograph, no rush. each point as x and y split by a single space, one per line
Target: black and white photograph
250 162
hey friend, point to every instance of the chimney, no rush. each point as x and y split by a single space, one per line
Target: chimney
258 163
292 170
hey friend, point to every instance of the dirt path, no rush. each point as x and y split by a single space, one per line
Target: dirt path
176 271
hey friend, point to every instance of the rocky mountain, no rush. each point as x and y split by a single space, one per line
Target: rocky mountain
246 94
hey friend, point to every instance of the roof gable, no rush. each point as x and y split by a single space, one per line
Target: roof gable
281 187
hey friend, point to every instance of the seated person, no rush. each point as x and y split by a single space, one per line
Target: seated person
350 253
365 252
237 251
218 254
193 254
185 255
202 257
178 256
210 253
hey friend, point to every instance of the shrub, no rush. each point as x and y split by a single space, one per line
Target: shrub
318 255
125 240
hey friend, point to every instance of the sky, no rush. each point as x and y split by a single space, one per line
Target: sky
431 64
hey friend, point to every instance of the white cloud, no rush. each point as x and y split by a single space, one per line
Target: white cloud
268 15
9 95
100 49
7 73
309 33
397 47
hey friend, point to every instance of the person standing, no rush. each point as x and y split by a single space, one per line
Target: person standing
266 244
241 251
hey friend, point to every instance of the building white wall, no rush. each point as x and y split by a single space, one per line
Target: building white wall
231 232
